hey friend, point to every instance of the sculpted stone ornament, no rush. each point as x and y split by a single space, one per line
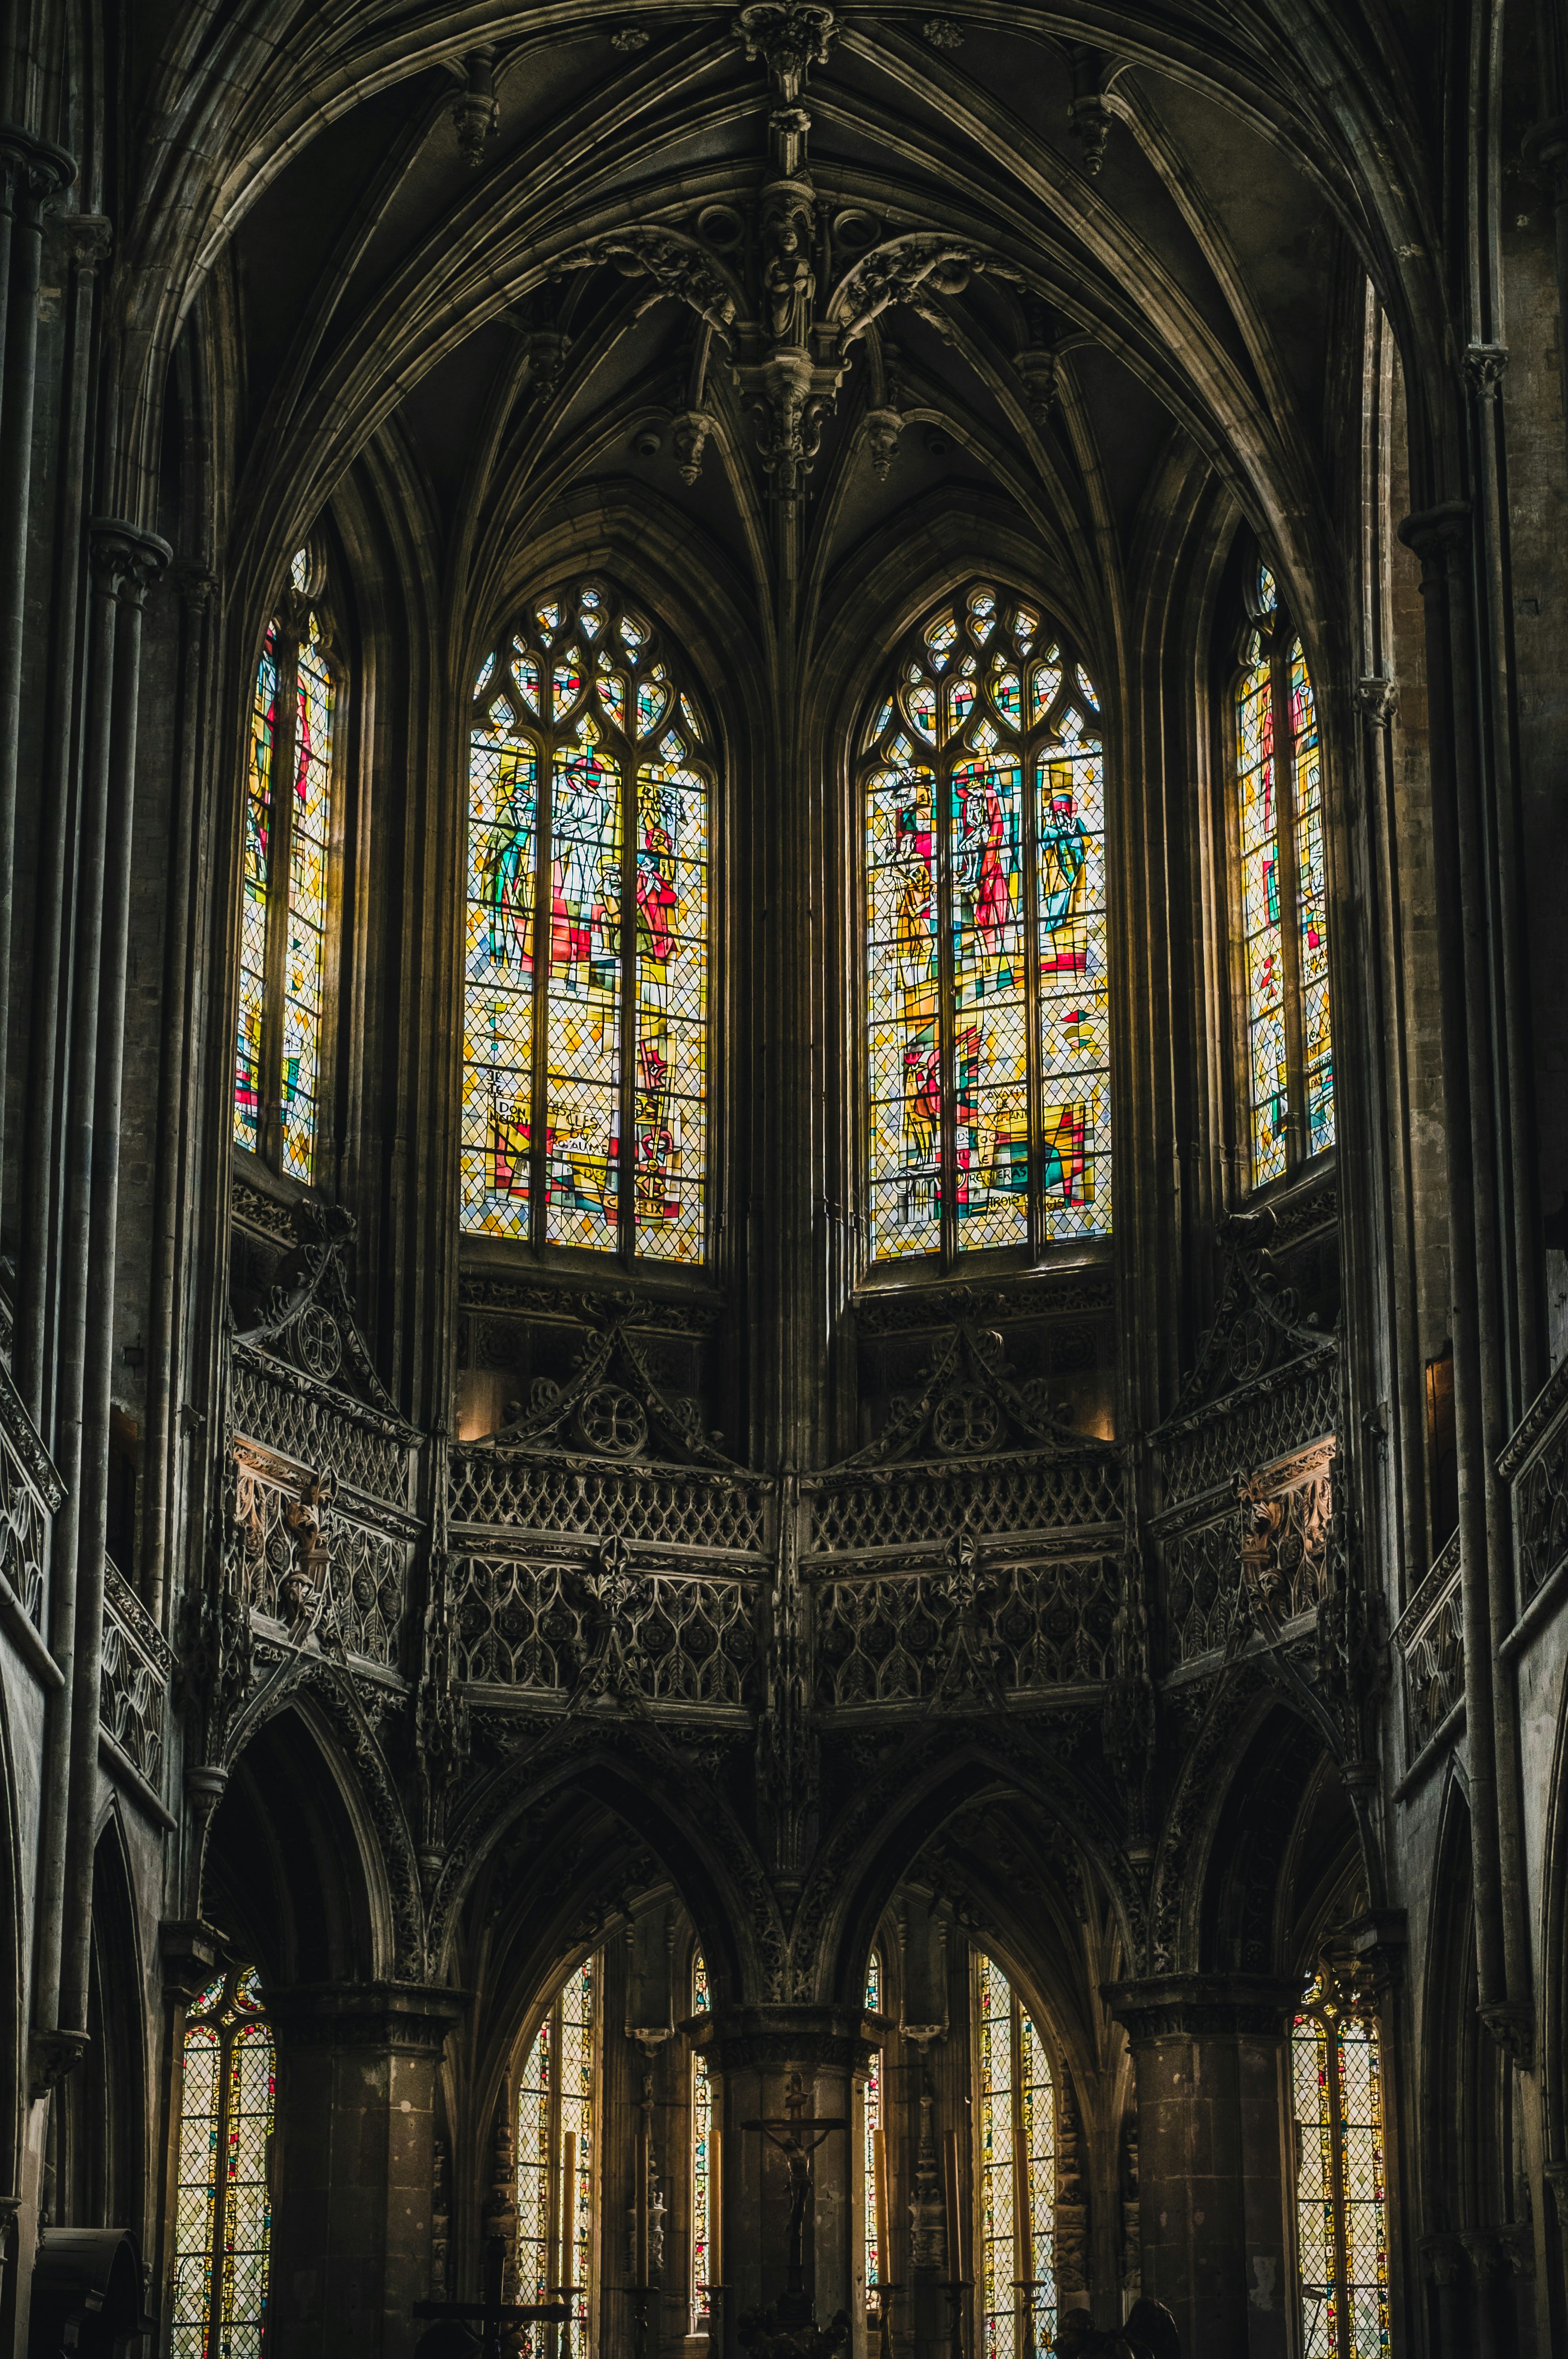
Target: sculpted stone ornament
883 428
790 36
677 268
788 279
300 1588
906 270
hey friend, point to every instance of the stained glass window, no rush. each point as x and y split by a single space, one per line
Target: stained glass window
877 2261
223 2219
1341 2192
1017 2175
1284 898
555 2103
987 972
283 889
701 2151
585 1049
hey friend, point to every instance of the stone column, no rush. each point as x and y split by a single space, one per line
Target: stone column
755 2052
1443 2258
353 2167
1208 2051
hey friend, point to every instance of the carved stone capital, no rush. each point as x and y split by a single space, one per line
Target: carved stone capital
409 2019
39 168
1511 2023
1484 366
1377 698
790 36
1556 2176
191 1951
1437 534
1442 2258
52 2055
195 585
689 430
1198 2007
126 560
89 238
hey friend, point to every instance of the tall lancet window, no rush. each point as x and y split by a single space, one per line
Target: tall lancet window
878 2267
982 802
704 2189
586 1073
1016 2178
222 2215
1342 2244
1289 1065
557 2155
283 976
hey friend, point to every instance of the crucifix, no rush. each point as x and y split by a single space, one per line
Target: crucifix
491 2314
798 2140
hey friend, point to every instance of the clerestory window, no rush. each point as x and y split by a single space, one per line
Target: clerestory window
283 976
704 2179
222 2217
586 1082
988 1059
1283 897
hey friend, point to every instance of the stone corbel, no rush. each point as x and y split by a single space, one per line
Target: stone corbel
1377 698
476 113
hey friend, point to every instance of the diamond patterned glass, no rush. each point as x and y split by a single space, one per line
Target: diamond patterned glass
875 2259
606 1029
1258 803
1341 2190
305 952
556 2094
987 975
253 890
701 2136
1312 908
1017 2190
223 2222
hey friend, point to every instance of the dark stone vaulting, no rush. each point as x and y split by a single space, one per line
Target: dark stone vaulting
783 1178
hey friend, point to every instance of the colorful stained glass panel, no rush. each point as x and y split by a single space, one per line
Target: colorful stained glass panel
499 1000
701 2149
248 1078
1262 937
904 985
1312 908
671 1012
1074 1009
305 950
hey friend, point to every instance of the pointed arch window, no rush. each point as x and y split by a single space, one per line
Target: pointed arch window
704 2183
556 2149
982 800
1017 2173
1342 2243
586 1075
1288 1085
223 2219
874 2165
283 893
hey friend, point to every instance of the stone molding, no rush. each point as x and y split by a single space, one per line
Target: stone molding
782 2039
1203 2007
408 2018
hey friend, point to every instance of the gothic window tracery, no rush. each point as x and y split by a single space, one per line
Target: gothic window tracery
982 796
222 2223
586 1070
1016 2178
284 888
1342 2249
1289 1061
557 2155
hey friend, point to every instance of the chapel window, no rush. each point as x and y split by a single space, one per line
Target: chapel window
983 795
1289 1088
1342 2243
877 2267
282 978
586 1086
704 2186
223 2219
1017 2171
556 2128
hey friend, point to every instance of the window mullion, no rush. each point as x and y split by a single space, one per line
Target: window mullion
543 936
1033 922
1289 913
626 1176
948 1041
280 833
1023 2225
215 2225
